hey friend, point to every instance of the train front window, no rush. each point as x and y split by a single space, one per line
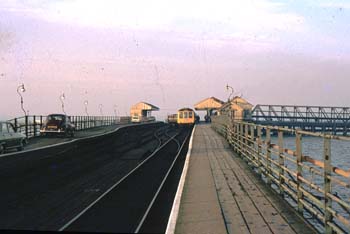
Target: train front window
190 115
181 115
185 114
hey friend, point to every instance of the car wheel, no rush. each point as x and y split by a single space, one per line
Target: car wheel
23 143
21 147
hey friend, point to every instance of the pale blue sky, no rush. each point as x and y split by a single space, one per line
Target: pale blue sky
172 53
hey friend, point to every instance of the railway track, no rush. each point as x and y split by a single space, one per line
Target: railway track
133 203
47 190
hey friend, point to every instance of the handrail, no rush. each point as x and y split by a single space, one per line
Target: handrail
30 125
317 187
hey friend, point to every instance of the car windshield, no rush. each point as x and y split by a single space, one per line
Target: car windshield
3 127
55 118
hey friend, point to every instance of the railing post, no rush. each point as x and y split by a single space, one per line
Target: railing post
259 148
327 184
280 161
232 136
252 143
299 171
26 125
236 137
34 124
246 142
41 121
16 125
241 139
268 156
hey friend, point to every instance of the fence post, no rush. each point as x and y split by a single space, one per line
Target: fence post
299 171
34 124
41 121
252 143
259 148
280 162
327 184
16 125
26 125
268 156
241 139
81 122
234 137
246 142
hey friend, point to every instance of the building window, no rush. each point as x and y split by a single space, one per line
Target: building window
185 114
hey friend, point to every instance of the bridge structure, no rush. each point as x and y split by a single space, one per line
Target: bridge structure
311 118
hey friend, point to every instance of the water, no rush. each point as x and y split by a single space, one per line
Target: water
313 146
340 157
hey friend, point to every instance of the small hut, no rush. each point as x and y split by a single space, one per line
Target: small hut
142 109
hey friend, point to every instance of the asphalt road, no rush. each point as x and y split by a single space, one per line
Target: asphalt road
43 190
40 141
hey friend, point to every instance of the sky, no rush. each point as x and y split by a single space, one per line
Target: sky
172 54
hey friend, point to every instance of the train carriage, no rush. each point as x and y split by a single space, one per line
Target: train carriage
186 116
172 119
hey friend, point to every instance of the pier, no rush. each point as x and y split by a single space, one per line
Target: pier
232 175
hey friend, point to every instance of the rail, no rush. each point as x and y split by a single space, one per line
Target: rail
30 125
312 185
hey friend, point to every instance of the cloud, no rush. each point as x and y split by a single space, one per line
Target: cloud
7 39
339 5
165 15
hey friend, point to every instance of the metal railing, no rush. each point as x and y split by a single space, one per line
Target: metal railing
30 125
312 185
311 118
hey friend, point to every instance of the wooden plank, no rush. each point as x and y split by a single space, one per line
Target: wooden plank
254 206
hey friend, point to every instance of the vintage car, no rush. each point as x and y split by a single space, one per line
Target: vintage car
10 139
58 124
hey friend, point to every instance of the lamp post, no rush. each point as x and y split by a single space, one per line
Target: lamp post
100 107
62 98
232 91
21 89
86 103
115 110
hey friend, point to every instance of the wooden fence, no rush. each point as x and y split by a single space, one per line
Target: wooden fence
313 185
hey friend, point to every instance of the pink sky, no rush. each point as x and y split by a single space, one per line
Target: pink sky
266 51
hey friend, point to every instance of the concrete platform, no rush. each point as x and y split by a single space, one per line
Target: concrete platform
222 195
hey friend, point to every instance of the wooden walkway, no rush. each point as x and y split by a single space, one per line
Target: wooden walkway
222 195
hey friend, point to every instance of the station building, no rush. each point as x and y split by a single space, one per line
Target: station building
209 105
236 109
142 109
